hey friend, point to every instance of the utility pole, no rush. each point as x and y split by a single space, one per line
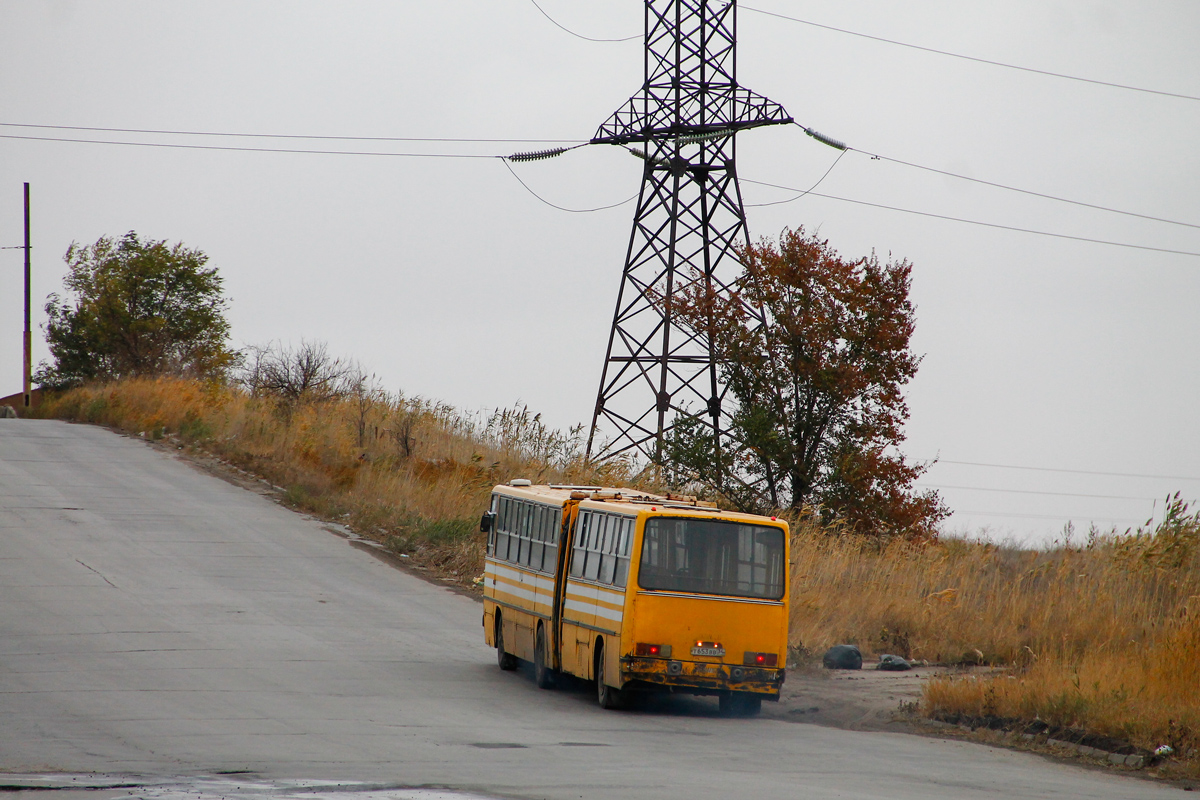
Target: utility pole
688 221
28 332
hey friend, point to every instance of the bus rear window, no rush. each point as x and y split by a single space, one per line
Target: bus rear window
710 556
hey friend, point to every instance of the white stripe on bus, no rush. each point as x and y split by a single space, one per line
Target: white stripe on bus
583 601
606 603
587 608
596 594
541 581
541 590
518 591
521 591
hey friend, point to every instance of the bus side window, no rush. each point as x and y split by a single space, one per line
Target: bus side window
514 531
622 574
548 538
584 530
543 537
591 570
550 554
526 543
608 562
621 551
595 565
534 513
536 548
502 526
577 554
522 555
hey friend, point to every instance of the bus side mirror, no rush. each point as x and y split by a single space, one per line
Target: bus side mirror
488 522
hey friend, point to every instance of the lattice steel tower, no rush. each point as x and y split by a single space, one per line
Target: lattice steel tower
689 215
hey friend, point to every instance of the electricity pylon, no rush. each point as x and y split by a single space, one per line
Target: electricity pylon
689 216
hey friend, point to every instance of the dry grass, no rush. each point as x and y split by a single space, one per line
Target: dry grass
1102 635
405 471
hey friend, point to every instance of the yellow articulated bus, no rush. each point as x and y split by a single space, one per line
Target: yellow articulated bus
637 592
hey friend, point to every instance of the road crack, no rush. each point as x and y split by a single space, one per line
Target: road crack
98 572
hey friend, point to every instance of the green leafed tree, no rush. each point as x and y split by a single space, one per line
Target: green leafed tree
136 308
818 409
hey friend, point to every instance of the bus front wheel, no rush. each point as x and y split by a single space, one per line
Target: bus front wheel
506 661
740 704
607 696
542 673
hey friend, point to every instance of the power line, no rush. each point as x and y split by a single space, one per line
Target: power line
283 135
979 222
1071 471
802 193
976 59
810 189
444 139
1030 491
504 159
843 147
1033 193
175 145
579 35
561 208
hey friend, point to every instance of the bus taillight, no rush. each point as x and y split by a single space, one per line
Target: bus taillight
761 659
652 650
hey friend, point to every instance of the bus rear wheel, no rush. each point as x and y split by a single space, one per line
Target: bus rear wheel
606 696
740 704
542 673
506 661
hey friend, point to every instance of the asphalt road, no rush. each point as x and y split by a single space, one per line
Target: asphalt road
191 639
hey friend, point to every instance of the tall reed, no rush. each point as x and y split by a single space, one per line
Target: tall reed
1103 635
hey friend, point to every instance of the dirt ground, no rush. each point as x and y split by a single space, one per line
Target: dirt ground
865 699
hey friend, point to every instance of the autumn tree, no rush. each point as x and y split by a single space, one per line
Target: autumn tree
136 308
818 411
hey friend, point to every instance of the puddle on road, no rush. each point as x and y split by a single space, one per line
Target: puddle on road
231 788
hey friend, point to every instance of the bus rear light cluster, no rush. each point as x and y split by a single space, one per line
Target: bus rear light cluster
761 659
652 650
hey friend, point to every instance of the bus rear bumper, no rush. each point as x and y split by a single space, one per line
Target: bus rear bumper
698 677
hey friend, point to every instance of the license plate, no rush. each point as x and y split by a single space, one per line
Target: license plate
708 651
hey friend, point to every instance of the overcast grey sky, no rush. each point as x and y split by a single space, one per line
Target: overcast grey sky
448 280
